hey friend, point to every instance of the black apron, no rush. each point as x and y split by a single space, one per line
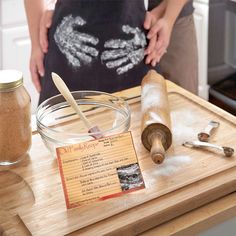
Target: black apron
96 45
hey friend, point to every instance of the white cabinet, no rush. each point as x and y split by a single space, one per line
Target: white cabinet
201 14
15 43
230 38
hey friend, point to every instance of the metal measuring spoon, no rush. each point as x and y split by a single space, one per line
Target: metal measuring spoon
205 135
228 151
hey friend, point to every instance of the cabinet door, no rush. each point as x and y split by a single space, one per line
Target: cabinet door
15 55
201 24
12 12
230 39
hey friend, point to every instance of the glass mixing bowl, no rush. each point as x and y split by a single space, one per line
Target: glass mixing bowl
59 125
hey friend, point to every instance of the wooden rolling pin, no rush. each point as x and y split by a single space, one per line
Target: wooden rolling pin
156 125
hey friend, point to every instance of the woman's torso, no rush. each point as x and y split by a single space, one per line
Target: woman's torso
96 45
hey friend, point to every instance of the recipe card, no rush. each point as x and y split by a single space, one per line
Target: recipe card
99 169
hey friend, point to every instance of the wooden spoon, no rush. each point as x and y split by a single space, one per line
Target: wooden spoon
65 92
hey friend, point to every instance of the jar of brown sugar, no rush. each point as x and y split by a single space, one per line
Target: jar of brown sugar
15 117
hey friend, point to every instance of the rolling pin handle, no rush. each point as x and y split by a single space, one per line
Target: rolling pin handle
157 150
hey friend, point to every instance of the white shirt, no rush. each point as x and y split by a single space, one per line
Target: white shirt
146 4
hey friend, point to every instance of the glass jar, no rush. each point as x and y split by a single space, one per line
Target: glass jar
15 117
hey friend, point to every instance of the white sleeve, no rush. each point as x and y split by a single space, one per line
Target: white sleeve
146 4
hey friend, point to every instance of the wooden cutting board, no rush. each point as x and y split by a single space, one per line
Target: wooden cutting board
187 179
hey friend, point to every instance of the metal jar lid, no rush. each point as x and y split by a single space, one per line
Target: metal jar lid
10 79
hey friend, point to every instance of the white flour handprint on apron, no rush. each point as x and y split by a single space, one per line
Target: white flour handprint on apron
74 44
125 54
121 54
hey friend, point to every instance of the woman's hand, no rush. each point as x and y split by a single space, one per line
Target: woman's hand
159 31
37 52
159 38
36 66
159 23
45 24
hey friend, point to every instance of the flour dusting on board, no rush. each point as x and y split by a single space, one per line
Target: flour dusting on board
183 126
169 168
173 164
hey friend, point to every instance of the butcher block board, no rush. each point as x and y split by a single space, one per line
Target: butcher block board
32 199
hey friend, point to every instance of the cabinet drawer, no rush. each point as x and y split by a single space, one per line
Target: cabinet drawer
12 12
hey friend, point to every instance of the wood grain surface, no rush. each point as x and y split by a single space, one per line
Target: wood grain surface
187 179
196 221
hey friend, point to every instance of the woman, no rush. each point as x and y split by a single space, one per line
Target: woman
97 45
180 63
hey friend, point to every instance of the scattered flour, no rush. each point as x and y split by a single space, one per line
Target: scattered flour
183 126
171 166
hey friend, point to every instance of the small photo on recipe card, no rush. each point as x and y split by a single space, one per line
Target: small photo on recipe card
99 169
130 177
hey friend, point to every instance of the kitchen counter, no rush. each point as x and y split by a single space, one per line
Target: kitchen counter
32 201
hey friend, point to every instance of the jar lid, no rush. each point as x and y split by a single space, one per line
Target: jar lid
10 79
